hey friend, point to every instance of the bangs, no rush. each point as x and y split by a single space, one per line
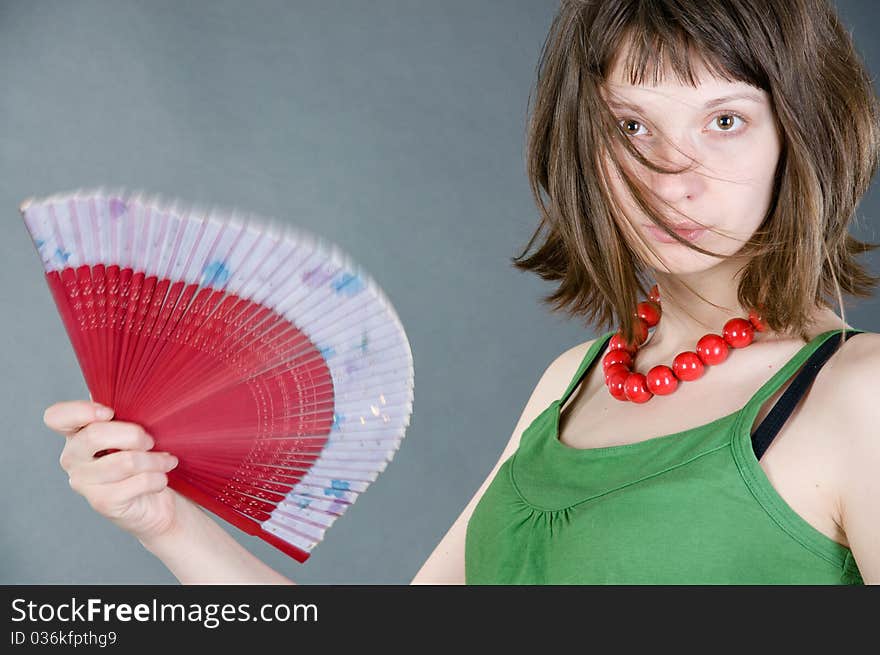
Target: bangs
651 38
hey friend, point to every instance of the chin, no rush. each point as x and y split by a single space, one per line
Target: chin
677 259
683 262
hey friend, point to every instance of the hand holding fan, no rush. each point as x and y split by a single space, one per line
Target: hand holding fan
275 369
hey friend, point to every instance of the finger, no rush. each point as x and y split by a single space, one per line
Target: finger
121 465
93 438
68 417
117 495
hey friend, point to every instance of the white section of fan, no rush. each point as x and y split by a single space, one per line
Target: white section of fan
73 229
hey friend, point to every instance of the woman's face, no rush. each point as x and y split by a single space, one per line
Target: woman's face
729 129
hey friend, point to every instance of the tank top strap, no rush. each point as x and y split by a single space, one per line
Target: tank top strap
597 347
783 408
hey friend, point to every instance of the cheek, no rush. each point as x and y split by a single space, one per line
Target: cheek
651 254
745 204
620 192
750 160
623 201
746 174
621 197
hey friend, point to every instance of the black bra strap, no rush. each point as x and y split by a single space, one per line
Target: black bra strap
773 422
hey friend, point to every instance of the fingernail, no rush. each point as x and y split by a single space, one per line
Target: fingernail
104 413
172 462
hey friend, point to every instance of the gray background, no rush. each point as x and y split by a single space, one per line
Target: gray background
393 128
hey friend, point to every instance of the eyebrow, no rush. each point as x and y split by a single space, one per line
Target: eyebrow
754 97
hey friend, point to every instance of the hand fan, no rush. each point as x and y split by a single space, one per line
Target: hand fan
274 368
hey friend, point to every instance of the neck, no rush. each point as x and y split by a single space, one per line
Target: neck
685 316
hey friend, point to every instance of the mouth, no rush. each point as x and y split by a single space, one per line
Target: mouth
687 233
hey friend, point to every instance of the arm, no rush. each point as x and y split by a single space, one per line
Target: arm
860 452
198 551
445 565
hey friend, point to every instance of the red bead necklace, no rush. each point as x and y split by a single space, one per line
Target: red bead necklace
626 384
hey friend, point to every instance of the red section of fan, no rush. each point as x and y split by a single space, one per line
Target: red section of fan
184 344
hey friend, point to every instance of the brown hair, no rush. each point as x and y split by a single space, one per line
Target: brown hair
827 115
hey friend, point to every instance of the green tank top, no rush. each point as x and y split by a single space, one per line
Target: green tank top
693 507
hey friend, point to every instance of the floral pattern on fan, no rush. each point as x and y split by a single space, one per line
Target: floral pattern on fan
274 368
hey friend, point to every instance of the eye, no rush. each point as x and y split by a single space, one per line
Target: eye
725 122
627 123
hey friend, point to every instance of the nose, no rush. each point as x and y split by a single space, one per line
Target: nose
677 157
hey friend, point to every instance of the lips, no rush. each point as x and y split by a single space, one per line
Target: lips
687 233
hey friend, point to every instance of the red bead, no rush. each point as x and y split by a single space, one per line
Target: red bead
616 357
661 380
649 312
615 384
654 294
636 388
738 332
617 343
615 368
688 366
712 349
757 321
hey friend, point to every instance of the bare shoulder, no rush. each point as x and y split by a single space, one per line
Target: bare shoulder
572 358
852 390
852 376
849 390
563 368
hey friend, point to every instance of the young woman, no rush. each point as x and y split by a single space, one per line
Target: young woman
696 166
